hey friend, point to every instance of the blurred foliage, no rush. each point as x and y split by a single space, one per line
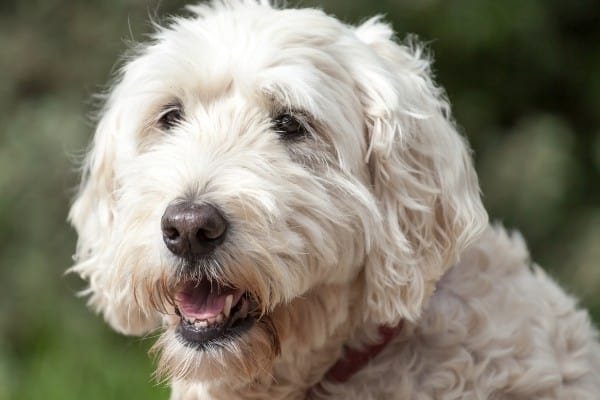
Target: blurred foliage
522 76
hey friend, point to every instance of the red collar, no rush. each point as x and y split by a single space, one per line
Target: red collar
353 360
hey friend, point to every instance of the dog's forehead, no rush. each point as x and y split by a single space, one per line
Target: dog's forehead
256 35
289 53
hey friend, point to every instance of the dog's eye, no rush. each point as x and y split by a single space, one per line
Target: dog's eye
171 116
289 127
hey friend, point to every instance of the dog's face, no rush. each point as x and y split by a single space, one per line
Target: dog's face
250 156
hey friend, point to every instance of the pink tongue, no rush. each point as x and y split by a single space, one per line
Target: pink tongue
200 301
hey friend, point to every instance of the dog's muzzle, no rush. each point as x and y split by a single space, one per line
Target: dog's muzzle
209 312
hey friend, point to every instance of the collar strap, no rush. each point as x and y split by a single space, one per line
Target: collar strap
353 360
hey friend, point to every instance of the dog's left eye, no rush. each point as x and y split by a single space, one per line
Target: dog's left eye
289 127
170 116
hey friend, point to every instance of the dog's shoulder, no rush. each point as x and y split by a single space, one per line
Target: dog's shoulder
497 322
496 325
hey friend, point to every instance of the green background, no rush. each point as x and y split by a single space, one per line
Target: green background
523 78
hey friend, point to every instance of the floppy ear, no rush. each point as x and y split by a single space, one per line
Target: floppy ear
422 175
92 214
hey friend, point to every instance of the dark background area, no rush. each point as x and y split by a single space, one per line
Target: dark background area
523 78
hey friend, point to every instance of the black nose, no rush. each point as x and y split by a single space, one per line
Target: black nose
192 229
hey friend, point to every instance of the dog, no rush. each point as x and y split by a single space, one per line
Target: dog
286 200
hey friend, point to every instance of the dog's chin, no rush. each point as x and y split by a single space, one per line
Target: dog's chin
211 314
216 336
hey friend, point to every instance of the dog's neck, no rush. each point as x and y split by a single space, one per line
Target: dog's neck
340 346
354 359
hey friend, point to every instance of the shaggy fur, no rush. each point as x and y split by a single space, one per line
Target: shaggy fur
373 217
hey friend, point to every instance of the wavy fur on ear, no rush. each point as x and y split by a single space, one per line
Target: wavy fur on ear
92 214
421 173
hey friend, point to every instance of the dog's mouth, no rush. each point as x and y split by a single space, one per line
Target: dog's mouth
211 313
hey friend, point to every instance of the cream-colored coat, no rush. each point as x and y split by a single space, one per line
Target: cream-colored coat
374 216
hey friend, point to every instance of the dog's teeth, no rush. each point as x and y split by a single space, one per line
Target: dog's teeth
227 308
201 323
212 320
219 318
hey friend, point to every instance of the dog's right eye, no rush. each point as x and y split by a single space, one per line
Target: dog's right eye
171 116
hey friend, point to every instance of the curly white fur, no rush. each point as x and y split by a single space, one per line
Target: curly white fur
373 218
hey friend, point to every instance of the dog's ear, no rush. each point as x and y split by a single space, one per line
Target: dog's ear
92 214
422 176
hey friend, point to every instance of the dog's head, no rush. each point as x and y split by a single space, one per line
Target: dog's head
249 156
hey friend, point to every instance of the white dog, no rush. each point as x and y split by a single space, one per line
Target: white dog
286 198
